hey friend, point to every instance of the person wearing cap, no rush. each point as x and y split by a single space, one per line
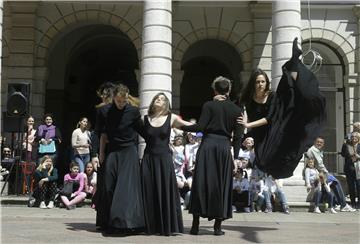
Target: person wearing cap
211 191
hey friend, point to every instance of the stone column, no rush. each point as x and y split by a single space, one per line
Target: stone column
1 24
286 25
356 117
156 52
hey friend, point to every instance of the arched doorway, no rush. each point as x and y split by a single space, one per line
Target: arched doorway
201 63
80 61
331 83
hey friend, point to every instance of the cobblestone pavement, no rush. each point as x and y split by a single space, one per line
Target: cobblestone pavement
20 224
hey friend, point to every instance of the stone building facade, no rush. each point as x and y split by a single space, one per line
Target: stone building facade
65 50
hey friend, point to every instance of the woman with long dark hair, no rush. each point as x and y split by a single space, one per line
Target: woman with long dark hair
284 123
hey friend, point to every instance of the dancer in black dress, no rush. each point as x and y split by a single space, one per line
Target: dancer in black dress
121 204
284 124
160 193
211 192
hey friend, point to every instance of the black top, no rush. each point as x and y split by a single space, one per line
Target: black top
119 125
218 117
157 138
38 175
256 111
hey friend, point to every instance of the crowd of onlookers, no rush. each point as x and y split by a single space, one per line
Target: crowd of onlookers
253 190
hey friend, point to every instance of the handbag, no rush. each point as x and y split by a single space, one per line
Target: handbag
357 169
48 148
67 189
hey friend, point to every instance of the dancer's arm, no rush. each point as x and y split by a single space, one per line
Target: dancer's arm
177 121
203 121
257 123
103 141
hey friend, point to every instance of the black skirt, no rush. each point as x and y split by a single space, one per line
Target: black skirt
161 196
211 193
121 199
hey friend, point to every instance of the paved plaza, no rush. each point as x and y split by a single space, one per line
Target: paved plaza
20 224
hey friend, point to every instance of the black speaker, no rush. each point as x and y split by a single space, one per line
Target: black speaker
13 123
18 99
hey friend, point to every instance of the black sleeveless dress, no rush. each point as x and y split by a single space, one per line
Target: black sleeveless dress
160 193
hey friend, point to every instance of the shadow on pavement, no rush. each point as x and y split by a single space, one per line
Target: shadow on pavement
248 233
90 227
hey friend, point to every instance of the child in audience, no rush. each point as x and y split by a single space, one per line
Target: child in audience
184 185
311 178
247 151
78 181
275 190
323 191
91 178
241 197
257 187
45 176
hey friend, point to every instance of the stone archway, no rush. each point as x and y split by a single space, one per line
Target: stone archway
79 62
201 63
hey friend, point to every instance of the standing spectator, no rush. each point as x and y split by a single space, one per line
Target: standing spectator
29 143
48 136
356 128
161 197
212 181
351 152
77 182
81 142
45 176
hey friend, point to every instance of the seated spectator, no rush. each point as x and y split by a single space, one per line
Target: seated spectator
322 191
316 152
91 178
45 189
6 153
191 148
311 178
278 194
247 151
183 183
241 197
256 189
77 182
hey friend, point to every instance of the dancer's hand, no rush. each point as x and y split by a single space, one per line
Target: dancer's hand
95 162
219 98
101 158
243 120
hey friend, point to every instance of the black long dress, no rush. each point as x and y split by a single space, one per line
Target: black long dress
119 202
160 194
295 113
211 192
